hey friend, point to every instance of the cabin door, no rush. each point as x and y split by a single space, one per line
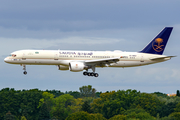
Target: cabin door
56 56
142 58
24 56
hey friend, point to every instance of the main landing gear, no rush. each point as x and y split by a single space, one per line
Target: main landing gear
91 74
24 68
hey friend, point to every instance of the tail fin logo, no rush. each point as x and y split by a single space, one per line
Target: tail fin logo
157 45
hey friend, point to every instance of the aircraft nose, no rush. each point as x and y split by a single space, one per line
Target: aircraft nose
6 60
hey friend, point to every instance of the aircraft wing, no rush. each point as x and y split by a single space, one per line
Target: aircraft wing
102 62
162 58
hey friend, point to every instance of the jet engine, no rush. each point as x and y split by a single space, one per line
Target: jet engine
62 67
76 66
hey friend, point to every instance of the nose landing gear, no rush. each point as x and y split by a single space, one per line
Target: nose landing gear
24 72
24 68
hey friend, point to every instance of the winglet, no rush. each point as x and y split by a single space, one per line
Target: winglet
158 44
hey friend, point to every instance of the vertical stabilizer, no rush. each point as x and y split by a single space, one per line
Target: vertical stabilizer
158 44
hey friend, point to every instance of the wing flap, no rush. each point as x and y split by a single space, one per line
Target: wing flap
102 61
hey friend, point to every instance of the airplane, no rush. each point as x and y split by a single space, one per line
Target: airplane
77 61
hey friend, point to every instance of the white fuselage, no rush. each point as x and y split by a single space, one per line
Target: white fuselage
76 61
64 57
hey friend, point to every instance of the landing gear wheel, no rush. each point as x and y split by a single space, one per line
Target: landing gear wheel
85 73
92 74
89 74
96 74
25 72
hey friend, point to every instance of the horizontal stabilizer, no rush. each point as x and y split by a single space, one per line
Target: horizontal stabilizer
162 58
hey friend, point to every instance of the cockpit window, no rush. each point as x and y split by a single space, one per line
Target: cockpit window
14 55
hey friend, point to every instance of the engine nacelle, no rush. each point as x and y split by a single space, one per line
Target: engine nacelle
62 67
76 66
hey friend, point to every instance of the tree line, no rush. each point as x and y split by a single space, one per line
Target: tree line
88 104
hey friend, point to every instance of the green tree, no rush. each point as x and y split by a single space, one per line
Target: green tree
114 103
75 94
157 117
44 113
148 102
88 99
76 105
177 109
144 116
48 99
86 107
9 101
29 103
23 118
98 94
175 115
87 91
97 116
167 118
167 109
167 105
56 93
9 116
119 117
61 108
25 113
79 116
177 93
138 113
159 94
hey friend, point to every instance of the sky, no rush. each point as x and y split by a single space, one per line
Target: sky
89 25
